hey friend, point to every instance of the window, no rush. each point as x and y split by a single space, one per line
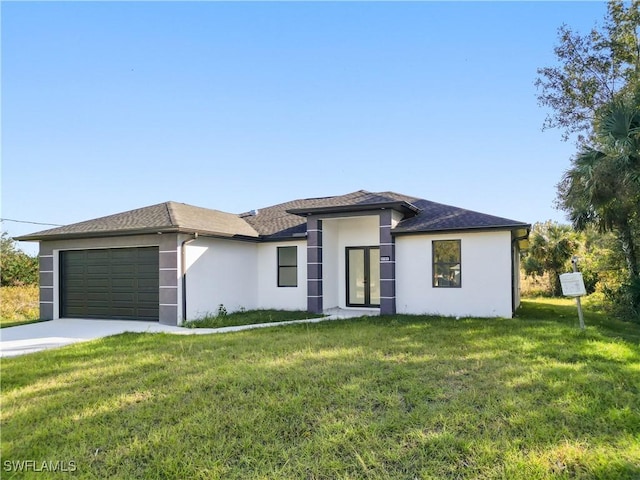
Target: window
446 263
287 266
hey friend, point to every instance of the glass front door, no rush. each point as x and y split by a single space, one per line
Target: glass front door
363 276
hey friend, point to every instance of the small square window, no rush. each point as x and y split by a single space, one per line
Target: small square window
287 266
447 263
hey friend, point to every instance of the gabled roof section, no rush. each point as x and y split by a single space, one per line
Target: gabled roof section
164 217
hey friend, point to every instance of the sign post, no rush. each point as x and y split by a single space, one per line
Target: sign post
573 286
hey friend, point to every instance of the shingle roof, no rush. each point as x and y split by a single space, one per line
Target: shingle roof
276 221
285 220
163 217
436 217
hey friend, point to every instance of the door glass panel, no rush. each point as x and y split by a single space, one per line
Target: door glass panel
356 277
374 276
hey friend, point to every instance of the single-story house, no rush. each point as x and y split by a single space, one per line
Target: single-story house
386 252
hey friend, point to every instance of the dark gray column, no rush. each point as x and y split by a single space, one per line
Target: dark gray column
387 265
45 261
168 276
314 265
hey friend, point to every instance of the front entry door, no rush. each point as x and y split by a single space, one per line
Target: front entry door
363 276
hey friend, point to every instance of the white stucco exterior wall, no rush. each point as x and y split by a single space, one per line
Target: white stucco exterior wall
486 276
269 294
223 272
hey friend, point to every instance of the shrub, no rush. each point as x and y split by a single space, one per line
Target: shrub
16 267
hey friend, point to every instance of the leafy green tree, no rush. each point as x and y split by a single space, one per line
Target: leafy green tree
16 267
551 247
592 71
602 187
600 260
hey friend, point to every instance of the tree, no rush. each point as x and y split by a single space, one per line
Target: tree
602 187
551 246
594 69
16 267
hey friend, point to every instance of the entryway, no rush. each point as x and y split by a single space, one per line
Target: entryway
363 276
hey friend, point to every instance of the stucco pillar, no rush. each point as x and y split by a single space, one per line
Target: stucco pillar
46 275
168 279
314 265
387 265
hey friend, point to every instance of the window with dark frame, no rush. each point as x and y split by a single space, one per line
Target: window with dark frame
287 266
447 266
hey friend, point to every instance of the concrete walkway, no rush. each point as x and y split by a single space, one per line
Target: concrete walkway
35 337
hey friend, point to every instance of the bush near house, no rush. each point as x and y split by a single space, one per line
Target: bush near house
378 398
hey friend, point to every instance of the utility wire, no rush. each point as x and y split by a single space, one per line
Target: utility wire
33 223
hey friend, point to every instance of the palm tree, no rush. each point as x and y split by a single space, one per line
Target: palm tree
602 187
550 247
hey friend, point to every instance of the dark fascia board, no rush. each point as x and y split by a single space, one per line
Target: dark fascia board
404 207
131 232
290 238
463 230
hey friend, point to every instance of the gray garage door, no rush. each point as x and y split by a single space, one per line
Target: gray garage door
117 283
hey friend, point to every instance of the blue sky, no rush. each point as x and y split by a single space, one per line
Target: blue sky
112 106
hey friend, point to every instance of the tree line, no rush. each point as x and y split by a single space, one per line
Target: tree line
593 96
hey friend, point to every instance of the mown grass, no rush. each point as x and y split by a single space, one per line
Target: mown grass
374 398
18 305
249 317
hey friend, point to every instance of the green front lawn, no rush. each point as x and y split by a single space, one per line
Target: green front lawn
379 398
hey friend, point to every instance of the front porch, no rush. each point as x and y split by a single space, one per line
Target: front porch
351 262
337 312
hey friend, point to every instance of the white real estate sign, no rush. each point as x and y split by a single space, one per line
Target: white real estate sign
572 284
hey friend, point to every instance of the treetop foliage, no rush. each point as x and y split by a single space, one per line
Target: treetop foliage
593 69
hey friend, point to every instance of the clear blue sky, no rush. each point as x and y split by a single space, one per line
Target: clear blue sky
112 106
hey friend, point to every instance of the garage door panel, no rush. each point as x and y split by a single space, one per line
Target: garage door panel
92 257
97 269
97 282
148 283
123 283
148 270
123 297
147 297
110 283
124 269
90 296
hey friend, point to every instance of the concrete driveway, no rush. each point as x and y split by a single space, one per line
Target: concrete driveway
35 337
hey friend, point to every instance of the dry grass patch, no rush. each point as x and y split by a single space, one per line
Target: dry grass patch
18 305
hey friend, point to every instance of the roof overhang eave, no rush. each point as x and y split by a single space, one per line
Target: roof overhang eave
513 227
131 232
403 207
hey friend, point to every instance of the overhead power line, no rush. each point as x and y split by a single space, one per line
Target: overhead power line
33 223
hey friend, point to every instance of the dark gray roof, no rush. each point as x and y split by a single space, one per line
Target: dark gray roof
437 217
286 220
163 217
278 221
